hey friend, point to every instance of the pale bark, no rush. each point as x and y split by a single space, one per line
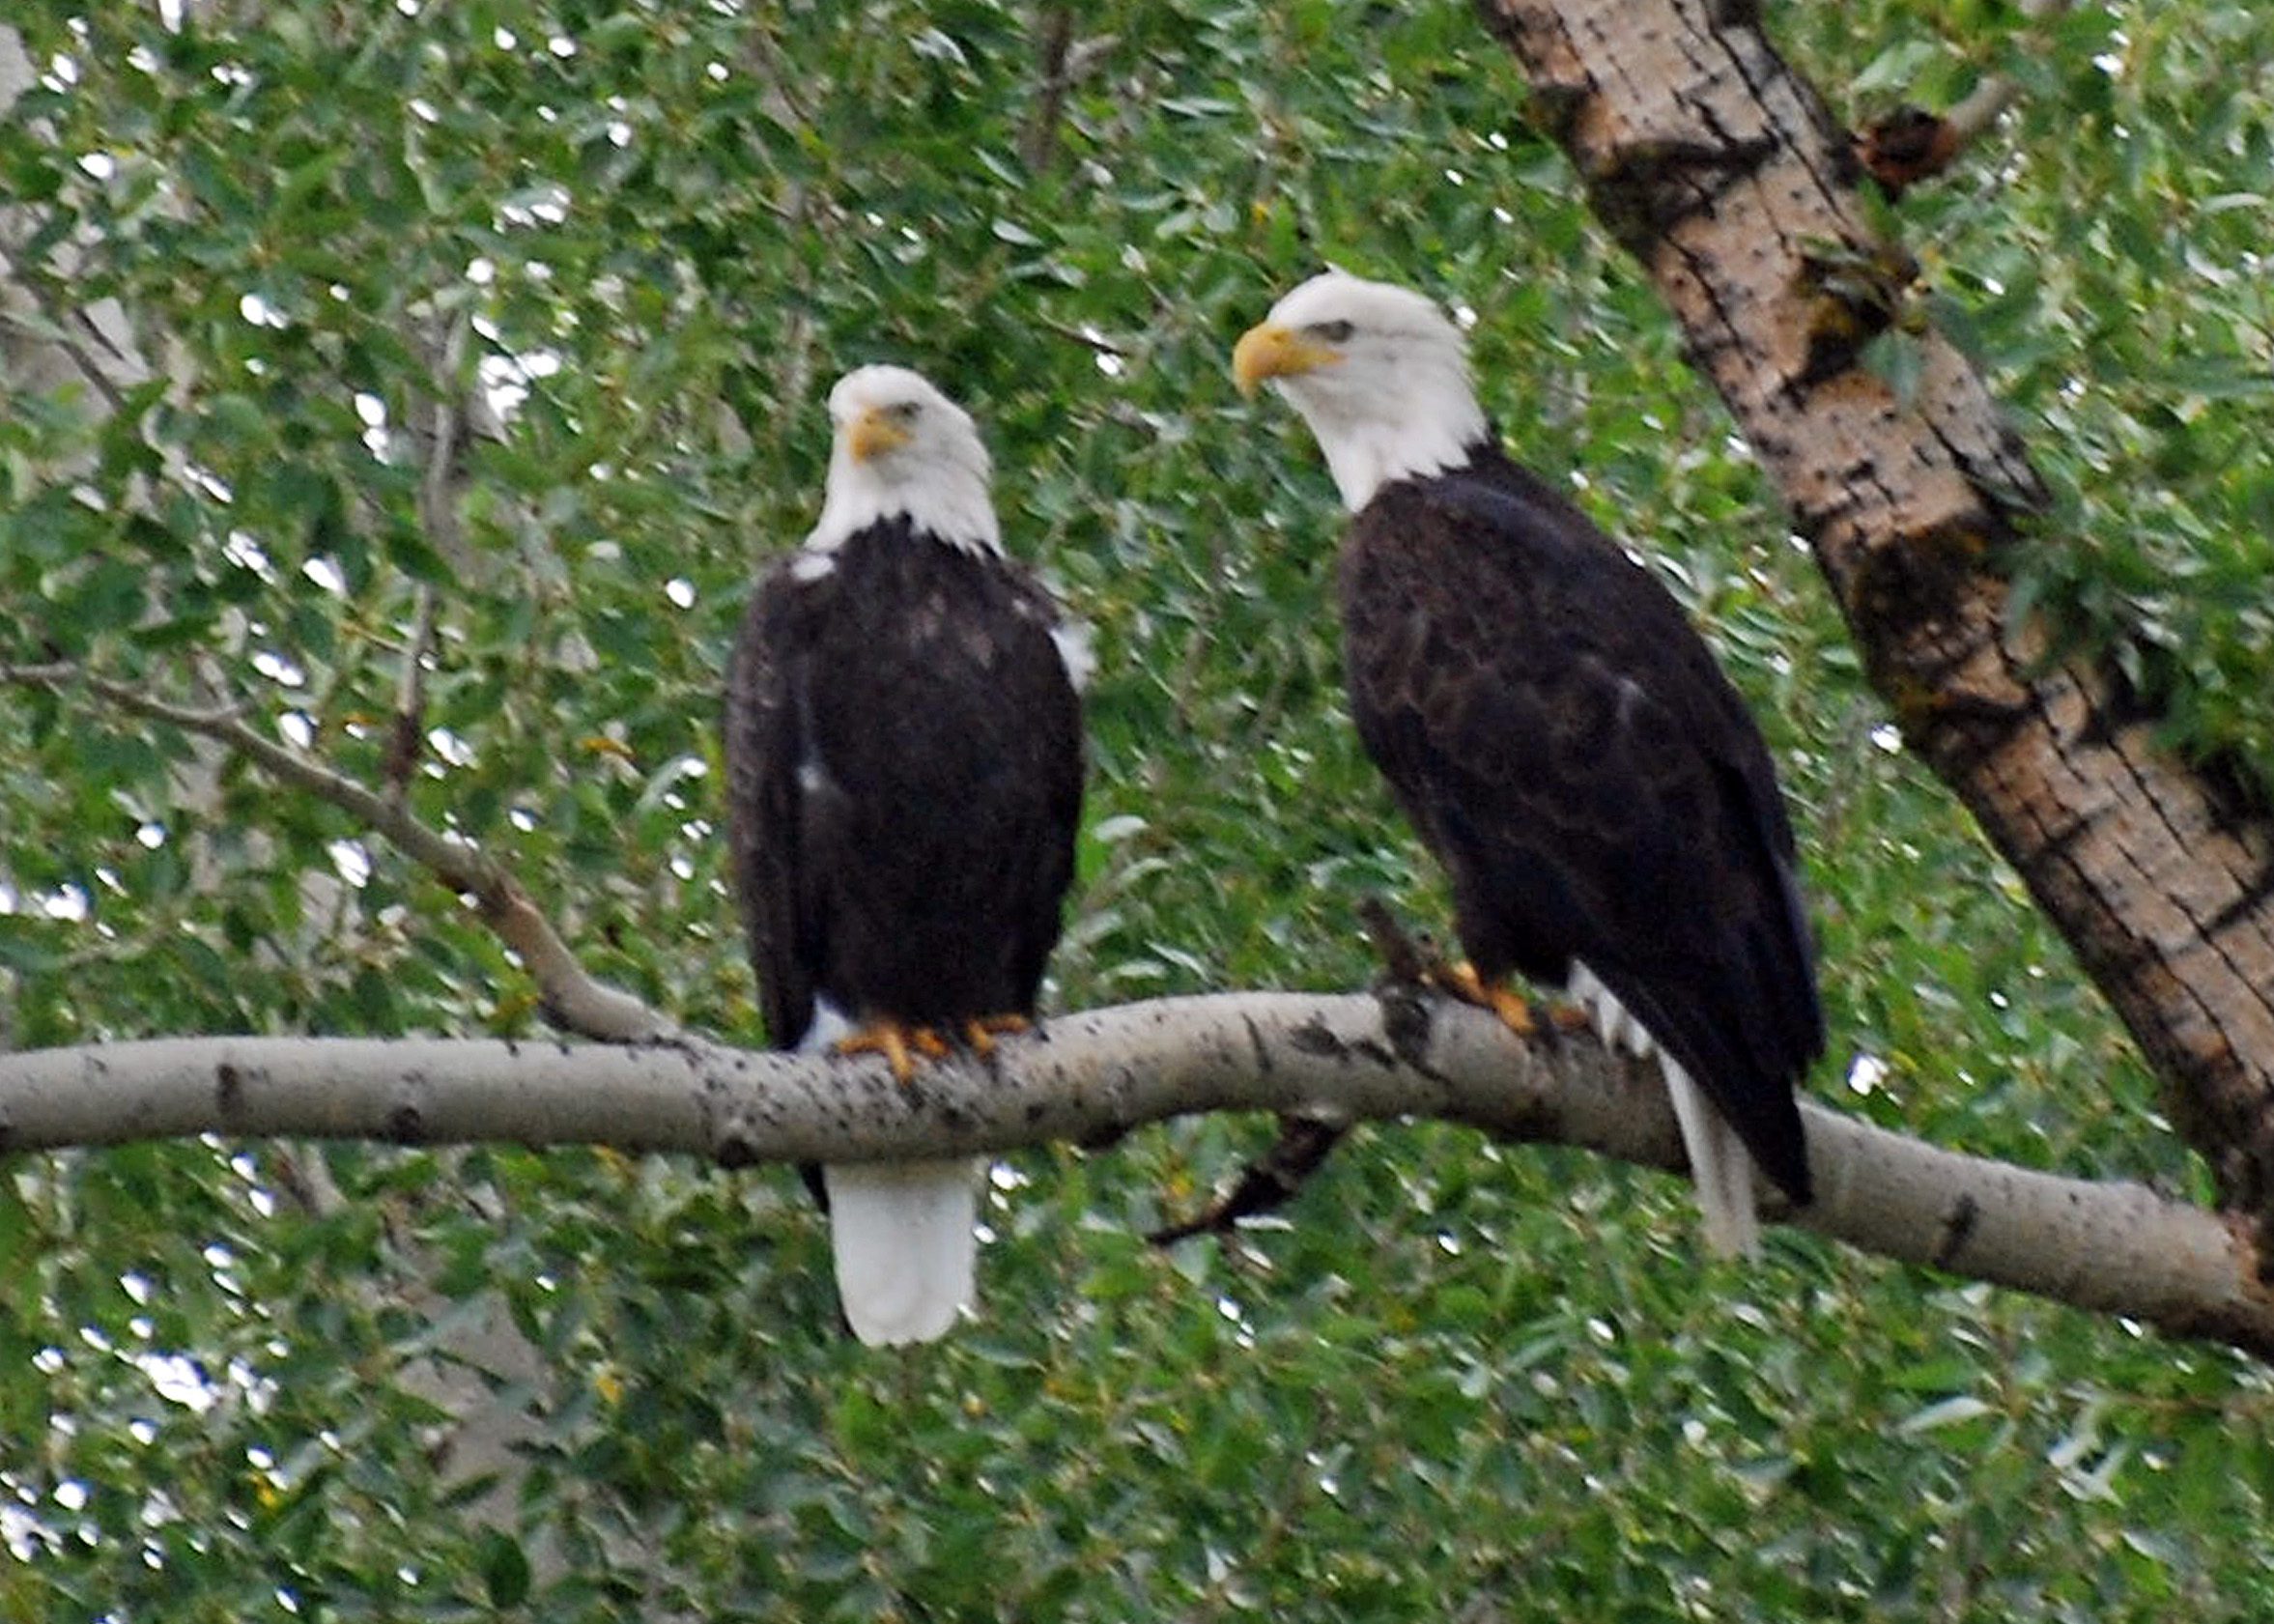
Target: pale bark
1725 176
87 354
2114 1248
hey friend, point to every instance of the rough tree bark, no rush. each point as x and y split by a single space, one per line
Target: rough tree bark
1724 173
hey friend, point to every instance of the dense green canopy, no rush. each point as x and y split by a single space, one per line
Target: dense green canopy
1459 1377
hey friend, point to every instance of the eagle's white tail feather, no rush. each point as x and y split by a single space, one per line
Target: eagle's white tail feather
907 1252
902 1233
1720 1165
1618 1028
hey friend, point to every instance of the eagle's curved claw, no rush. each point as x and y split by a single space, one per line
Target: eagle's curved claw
980 1031
899 1043
1516 1012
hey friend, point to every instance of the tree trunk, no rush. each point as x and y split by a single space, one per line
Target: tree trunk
1724 174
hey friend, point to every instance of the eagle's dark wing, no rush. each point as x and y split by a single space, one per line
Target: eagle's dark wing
944 738
1048 693
1566 745
905 781
762 811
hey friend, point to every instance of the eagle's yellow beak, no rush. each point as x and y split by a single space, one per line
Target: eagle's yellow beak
873 433
1268 349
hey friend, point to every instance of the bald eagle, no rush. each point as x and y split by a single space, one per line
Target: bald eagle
903 780
1560 737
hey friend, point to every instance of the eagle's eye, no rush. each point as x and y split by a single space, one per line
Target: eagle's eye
904 410
1334 332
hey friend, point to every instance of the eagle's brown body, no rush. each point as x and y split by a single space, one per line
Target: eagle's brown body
904 784
1565 744
905 779
1560 737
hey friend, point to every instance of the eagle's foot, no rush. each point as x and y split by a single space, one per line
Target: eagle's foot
980 1033
1460 981
899 1043
1516 1012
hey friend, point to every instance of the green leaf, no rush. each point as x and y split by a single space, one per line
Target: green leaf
505 1569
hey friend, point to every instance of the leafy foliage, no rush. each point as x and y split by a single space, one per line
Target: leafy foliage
2111 269
1461 1381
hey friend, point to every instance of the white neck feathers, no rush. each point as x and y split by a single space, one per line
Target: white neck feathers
1366 450
900 449
947 501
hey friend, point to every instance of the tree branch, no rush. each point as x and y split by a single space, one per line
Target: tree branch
409 721
573 998
1910 144
2111 1248
1038 142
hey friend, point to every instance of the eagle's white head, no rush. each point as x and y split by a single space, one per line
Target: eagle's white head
1378 371
902 448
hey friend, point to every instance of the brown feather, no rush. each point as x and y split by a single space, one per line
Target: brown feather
1566 745
904 780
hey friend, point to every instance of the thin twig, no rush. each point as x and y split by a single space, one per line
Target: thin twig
1038 143
59 332
445 442
572 999
1266 1184
408 724
1096 341
1406 960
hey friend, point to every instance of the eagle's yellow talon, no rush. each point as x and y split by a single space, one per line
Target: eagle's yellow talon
980 1033
899 1045
903 1045
1515 1011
